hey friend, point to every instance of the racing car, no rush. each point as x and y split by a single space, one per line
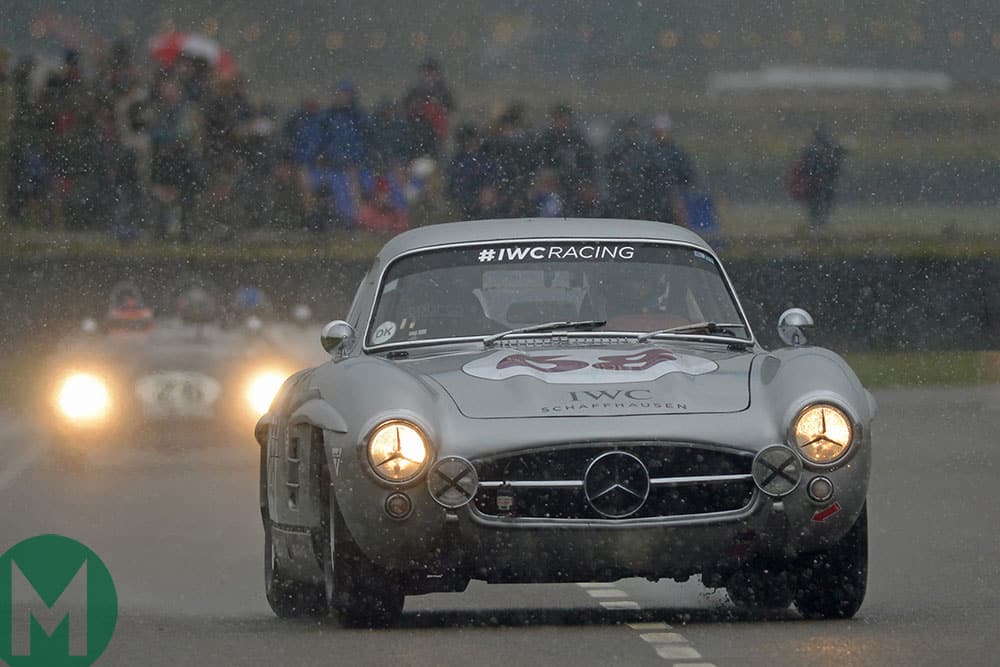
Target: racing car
131 376
562 401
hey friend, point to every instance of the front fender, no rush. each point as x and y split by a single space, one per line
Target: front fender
317 412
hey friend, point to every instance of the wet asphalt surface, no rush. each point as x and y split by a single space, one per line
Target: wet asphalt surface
179 529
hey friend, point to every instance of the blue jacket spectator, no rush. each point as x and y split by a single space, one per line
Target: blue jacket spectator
347 131
303 131
334 149
472 175
668 174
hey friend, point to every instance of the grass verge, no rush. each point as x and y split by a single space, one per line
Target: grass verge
750 231
910 369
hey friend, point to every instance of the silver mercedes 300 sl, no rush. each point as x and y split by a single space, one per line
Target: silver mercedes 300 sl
562 400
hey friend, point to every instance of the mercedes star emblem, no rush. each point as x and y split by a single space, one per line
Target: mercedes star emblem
616 484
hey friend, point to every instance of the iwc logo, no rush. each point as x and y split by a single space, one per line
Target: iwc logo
616 484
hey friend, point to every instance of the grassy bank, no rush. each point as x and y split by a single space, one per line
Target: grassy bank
855 231
749 230
907 369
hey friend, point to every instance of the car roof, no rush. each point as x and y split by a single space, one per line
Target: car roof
515 229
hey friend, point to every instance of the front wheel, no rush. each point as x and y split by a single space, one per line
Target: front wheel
360 593
288 598
832 583
761 585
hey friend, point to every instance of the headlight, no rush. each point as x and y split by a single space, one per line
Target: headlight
397 451
822 433
262 389
84 397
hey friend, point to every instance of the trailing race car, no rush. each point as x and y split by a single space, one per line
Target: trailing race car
134 375
562 400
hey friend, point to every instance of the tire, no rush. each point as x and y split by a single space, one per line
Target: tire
289 598
359 592
761 585
832 583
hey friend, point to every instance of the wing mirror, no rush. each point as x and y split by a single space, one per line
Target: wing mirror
334 334
790 326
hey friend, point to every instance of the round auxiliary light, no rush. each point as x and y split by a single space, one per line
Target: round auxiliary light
777 470
453 482
398 506
820 489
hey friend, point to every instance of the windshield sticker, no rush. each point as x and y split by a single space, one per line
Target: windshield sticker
384 333
556 252
588 366
700 255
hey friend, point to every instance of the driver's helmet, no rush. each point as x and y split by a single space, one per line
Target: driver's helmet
645 295
127 310
197 305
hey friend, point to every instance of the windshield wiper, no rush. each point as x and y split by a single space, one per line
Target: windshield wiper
699 327
583 325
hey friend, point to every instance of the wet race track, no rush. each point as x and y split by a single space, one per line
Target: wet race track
180 532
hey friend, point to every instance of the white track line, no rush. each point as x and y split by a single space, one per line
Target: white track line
675 652
667 644
618 605
648 627
607 593
663 638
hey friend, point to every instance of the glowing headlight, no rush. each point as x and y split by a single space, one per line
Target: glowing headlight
397 451
262 389
84 397
822 433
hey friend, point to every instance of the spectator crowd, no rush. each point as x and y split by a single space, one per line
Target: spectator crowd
180 152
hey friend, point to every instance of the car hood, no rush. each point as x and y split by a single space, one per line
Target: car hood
590 381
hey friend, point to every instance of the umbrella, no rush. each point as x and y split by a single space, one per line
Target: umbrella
167 47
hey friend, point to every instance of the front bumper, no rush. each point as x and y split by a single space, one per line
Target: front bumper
502 551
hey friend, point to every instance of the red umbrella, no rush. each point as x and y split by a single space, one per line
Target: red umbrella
167 47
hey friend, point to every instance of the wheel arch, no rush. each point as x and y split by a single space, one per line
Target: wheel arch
319 417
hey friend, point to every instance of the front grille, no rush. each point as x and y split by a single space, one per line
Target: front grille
549 483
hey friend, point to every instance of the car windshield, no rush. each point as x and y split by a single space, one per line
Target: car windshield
480 290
